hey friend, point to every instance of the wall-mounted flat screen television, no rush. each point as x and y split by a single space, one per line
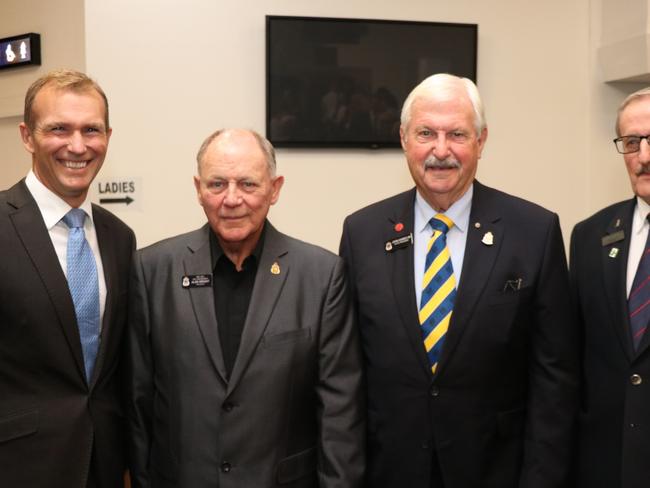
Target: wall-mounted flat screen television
341 82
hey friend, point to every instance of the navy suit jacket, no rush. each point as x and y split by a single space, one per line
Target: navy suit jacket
500 410
615 407
56 430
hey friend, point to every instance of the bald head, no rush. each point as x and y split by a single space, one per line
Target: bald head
231 136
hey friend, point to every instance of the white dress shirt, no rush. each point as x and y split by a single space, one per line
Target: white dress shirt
456 237
638 239
53 208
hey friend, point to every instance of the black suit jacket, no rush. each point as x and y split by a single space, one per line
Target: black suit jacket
51 420
291 413
500 410
615 413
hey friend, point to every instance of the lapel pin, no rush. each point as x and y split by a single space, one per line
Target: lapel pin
275 268
186 281
399 227
613 252
488 239
618 223
477 225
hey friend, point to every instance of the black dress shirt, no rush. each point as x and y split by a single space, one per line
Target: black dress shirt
232 295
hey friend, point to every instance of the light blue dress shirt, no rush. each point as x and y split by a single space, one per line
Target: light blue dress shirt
456 237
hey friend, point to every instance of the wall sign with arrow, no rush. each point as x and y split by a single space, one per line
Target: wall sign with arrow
119 194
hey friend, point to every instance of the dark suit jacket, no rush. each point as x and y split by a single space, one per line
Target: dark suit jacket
500 410
51 420
615 413
291 413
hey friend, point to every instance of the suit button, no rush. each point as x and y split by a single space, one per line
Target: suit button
434 391
228 406
636 379
226 467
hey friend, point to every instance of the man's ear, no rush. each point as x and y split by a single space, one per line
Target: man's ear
197 185
277 186
27 137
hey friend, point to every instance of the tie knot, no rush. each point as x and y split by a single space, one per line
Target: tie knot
441 223
74 218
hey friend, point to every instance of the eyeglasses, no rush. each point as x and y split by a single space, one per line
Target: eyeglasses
630 144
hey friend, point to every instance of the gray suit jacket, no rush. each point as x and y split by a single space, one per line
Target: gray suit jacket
291 413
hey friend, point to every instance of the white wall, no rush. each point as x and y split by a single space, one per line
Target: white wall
61 25
198 65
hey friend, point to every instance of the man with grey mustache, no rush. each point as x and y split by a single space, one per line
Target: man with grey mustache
610 266
462 300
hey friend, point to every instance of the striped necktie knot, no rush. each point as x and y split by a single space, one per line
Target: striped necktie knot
441 223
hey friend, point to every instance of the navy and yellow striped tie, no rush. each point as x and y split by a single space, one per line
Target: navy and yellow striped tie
438 290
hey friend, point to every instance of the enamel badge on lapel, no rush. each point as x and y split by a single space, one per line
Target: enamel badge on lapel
275 268
613 252
399 243
196 281
488 238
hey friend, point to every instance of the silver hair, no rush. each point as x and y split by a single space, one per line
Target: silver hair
642 93
445 81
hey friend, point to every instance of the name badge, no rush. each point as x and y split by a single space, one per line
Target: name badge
399 243
196 281
612 238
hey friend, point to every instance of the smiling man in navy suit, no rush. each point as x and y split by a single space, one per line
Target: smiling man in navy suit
462 301
610 274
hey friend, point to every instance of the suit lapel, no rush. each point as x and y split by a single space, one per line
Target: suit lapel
266 292
478 261
614 262
28 222
199 262
109 263
400 268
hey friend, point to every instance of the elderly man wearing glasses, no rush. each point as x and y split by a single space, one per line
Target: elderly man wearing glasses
610 271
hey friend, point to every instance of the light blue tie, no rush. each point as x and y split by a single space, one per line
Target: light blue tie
84 287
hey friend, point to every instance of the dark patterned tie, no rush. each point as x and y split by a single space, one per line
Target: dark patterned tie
639 300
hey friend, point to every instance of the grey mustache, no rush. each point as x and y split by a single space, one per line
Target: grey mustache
434 163
643 170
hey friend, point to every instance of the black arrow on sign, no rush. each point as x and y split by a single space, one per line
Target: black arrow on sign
126 200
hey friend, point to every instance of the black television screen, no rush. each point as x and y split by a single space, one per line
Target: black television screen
341 82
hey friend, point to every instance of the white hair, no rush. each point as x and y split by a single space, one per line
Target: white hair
642 93
445 81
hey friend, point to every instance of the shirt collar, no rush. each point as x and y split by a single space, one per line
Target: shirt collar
458 212
216 251
52 207
641 212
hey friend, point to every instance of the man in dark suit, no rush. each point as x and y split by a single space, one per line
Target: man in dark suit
471 366
61 418
244 360
610 271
